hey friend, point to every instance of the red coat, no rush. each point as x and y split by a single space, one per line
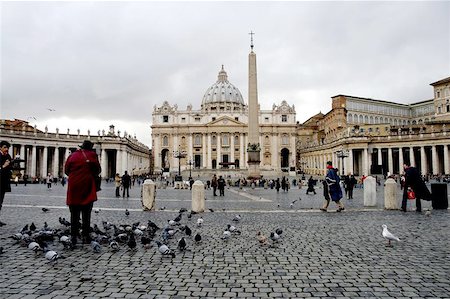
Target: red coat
81 171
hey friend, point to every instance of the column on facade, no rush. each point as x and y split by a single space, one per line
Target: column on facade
380 156
412 159
119 169
157 152
292 152
218 150
369 162
423 161
22 156
191 146
103 163
349 167
175 150
334 159
56 162
245 150
232 148
365 159
209 158
11 151
204 159
400 160
390 162
241 151
446 161
66 155
125 161
434 160
274 151
44 162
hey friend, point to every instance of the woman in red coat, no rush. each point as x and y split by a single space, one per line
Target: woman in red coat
82 167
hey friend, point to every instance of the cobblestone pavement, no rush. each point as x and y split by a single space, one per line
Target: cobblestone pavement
327 255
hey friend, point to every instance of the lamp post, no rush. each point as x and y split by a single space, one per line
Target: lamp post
190 167
179 154
342 154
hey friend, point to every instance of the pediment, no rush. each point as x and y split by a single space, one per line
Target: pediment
224 121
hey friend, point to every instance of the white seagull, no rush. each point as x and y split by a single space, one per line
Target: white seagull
387 235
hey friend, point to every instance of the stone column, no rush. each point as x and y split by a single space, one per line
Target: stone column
423 161
446 161
204 158
56 162
44 170
219 150
369 162
104 163
209 161
198 197
274 151
349 168
412 159
245 151
148 195
365 161
370 192
175 149
241 151
434 159
66 156
390 162
22 156
232 148
380 156
33 160
119 169
390 195
190 144
125 161
400 160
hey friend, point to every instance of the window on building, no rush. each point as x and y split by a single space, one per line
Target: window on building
183 141
165 118
438 94
284 118
267 140
165 141
285 139
266 119
213 118
197 119
236 140
439 109
225 140
213 140
236 118
183 119
448 108
198 140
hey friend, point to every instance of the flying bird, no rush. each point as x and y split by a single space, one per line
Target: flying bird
50 109
387 235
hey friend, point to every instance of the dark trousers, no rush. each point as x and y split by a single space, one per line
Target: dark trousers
126 189
118 191
2 197
405 201
214 190
350 193
85 211
222 191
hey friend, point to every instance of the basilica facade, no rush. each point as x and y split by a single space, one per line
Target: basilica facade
214 138
365 136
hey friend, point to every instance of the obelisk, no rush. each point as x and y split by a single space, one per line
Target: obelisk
253 147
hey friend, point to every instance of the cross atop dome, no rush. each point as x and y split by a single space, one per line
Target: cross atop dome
223 77
251 39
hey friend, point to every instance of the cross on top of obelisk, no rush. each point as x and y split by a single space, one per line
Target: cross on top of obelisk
251 39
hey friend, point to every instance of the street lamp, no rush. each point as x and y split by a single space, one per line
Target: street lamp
190 167
179 154
342 154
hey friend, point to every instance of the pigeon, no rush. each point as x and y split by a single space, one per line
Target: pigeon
162 208
200 222
131 242
189 216
182 244
387 235
233 229
152 225
428 213
17 237
182 210
96 247
178 218
24 229
164 250
292 204
274 236
226 235
279 231
211 210
96 211
65 240
52 256
237 218
114 246
2 250
127 213
45 210
146 242
138 232
187 231
261 238
34 246
171 222
64 222
197 238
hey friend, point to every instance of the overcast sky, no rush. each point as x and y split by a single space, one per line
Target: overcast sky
102 63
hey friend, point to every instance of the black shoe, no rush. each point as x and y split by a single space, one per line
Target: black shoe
323 210
419 211
2 223
86 240
403 210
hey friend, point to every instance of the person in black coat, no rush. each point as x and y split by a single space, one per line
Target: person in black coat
414 180
126 182
311 183
5 172
221 186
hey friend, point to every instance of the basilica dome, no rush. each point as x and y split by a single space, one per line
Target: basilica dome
222 92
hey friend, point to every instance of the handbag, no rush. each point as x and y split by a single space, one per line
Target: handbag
410 194
97 178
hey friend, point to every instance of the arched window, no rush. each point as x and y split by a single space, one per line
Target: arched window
366 119
198 140
350 118
183 141
361 120
165 141
225 139
371 120
376 120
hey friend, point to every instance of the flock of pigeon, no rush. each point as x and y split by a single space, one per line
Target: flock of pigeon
119 236
114 237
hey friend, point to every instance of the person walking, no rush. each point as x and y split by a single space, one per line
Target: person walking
49 180
414 180
221 185
117 183
126 183
311 186
81 167
5 172
350 185
334 188
214 184
277 185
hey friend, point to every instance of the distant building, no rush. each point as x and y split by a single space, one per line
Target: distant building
46 152
365 136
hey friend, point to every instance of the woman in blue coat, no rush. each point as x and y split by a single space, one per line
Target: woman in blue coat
334 188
